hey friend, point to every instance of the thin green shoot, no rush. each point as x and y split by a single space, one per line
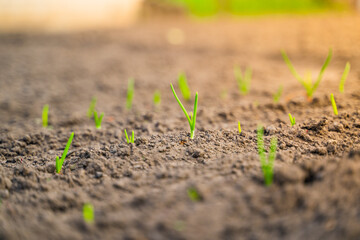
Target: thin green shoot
344 77
59 162
98 119
292 120
157 98
45 116
277 94
191 119
239 127
243 80
131 139
333 103
130 93
91 109
308 84
267 163
184 87
194 194
88 213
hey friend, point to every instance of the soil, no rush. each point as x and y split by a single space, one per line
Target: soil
140 190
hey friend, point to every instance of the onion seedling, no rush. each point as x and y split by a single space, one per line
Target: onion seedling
243 80
130 94
91 109
267 163
239 127
45 115
277 94
88 213
344 77
98 119
184 87
194 194
131 139
307 82
333 103
292 120
191 119
59 162
157 98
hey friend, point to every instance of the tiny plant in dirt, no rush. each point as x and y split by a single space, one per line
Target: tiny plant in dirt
267 163
91 109
194 194
88 213
59 162
277 94
239 127
191 119
45 116
98 119
344 77
184 87
157 98
130 139
333 103
243 80
306 81
130 93
292 120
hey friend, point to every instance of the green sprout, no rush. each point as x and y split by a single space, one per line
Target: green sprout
333 103
130 93
344 77
184 87
243 80
292 119
277 94
307 82
131 139
88 213
239 127
45 115
157 98
91 110
191 119
98 119
267 165
59 162
194 194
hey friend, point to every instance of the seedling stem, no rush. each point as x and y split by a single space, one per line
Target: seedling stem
59 162
333 103
131 139
267 164
191 119
344 77
45 114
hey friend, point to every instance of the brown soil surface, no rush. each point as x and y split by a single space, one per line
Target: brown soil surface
139 191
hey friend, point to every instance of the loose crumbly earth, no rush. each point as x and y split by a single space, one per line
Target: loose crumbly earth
139 191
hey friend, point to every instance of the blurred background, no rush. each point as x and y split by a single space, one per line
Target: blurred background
68 15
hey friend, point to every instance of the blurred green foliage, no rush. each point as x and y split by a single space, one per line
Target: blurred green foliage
204 8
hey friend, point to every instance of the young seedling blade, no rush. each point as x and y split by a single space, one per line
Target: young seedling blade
344 77
192 119
91 109
184 87
333 103
130 94
60 162
45 115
